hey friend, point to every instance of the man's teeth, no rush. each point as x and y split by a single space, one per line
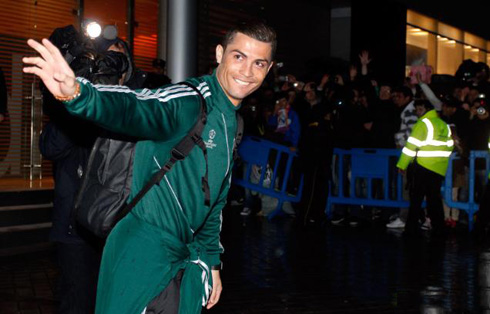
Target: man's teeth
242 82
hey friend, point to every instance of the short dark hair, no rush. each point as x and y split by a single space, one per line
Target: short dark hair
407 92
425 103
450 101
255 29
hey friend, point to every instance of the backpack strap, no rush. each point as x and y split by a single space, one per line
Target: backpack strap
179 152
238 139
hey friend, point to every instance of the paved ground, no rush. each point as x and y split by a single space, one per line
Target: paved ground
283 267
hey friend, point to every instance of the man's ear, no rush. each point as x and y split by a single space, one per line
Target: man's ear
219 53
270 66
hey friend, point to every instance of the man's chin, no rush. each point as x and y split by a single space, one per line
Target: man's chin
241 95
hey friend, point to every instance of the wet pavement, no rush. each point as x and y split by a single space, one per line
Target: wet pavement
284 267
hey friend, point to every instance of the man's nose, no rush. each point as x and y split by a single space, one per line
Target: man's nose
246 69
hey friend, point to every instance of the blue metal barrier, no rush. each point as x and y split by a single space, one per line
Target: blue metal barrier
470 206
365 164
257 151
369 164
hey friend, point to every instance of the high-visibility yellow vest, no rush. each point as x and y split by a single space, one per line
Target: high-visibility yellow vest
430 143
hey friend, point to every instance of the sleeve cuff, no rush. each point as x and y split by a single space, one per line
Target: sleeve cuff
214 261
217 267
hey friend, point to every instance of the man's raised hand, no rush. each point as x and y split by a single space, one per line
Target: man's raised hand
51 68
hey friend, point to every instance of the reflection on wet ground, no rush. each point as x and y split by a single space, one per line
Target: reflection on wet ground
283 267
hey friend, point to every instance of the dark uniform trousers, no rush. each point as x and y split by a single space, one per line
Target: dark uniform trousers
167 302
424 183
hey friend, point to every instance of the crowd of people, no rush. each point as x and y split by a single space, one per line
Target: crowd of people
353 109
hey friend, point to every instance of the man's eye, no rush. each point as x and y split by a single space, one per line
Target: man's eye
238 57
260 64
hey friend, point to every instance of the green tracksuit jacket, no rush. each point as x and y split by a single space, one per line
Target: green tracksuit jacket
167 230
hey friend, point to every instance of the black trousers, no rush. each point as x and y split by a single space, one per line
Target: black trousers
315 190
79 269
424 183
167 302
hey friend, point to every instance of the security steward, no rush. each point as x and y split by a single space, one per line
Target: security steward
427 152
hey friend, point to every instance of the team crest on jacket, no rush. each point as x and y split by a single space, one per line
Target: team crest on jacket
210 144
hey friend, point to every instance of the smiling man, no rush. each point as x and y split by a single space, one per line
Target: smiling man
164 257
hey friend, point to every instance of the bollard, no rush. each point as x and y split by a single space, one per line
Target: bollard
484 281
432 300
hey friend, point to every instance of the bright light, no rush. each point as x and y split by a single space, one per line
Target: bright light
475 50
467 47
415 30
451 42
93 30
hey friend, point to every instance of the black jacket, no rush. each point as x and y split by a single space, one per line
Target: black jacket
69 152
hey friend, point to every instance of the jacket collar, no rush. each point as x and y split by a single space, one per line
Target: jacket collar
430 114
223 102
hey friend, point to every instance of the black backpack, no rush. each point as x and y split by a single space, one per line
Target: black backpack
106 183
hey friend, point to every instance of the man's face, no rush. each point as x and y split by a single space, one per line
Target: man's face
473 94
400 100
420 111
448 111
242 66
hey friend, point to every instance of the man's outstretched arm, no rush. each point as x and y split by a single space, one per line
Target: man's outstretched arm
158 115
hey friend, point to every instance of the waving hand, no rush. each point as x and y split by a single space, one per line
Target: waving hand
51 68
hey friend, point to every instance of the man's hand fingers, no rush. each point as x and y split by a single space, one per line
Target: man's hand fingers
45 54
36 71
55 52
215 295
37 61
58 57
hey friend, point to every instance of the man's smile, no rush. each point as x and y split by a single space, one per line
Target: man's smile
244 83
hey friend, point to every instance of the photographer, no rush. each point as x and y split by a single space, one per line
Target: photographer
67 141
477 138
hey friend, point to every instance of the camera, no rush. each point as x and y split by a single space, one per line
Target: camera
481 111
283 78
80 52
